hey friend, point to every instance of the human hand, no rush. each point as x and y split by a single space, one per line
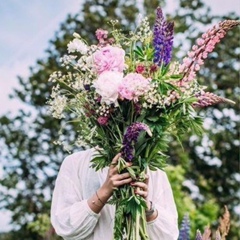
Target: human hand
141 188
114 179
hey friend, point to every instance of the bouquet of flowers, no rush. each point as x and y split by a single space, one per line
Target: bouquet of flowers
127 96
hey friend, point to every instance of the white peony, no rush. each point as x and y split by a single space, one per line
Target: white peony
107 86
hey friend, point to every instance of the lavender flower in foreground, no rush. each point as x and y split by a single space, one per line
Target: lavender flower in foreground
162 39
130 138
184 233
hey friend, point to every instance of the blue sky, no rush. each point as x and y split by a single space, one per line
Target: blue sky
26 26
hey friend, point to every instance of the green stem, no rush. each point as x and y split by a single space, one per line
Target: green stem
137 226
143 230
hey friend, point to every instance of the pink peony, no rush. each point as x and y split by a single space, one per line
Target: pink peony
107 86
109 58
133 86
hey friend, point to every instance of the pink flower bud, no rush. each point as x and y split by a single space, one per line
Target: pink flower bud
194 47
200 41
191 54
197 67
140 69
200 61
187 61
204 55
103 121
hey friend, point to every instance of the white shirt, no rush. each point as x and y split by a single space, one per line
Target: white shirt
73 219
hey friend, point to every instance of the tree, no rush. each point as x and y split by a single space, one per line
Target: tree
32 160
213 165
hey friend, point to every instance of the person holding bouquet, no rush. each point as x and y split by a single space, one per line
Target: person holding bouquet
80 208
127 96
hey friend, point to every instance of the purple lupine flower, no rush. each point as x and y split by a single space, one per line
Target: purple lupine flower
207 99
184 233
163 39
198 235
130 138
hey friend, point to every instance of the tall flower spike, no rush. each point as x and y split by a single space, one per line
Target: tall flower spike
130 138
225 224
207 99
207 234
202 48
184 233
218 235
198 235
162 39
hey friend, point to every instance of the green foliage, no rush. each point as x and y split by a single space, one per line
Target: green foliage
41 225
200 215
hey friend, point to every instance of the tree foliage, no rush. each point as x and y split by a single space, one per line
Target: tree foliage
31 160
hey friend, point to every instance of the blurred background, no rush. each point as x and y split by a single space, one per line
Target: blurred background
33 35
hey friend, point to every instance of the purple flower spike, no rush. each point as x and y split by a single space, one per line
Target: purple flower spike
163 39
130 138
184 233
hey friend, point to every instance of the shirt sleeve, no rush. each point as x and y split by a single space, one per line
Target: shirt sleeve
165 226
71 216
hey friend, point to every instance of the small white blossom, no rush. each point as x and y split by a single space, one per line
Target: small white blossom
57 103
77 45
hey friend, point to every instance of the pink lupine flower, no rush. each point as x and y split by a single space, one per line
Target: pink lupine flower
191 54
204 46
200 62
109 58
200 41
194 47
197 67
207 99
133 86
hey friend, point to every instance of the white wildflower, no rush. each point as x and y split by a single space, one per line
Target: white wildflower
78 83
67 60
77 45
57 104
174 68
